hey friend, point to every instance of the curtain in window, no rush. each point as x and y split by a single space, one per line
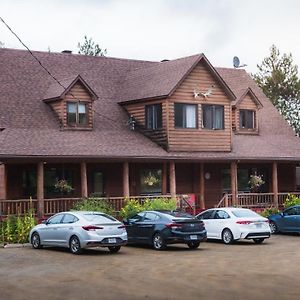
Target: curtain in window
219 116
190 116
82 113
207 116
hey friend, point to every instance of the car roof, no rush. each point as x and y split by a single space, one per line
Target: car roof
81 213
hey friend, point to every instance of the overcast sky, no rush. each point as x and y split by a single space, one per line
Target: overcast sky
158 29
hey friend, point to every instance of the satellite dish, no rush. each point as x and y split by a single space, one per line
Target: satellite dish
236 62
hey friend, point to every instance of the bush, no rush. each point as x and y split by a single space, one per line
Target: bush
132 206
15 229
291 200
269 211
94 204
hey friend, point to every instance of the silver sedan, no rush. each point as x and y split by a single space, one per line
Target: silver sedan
79 230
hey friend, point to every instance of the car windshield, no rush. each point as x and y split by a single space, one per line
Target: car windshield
244 213
98 218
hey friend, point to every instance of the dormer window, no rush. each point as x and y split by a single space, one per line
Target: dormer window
77 114
153 116
247 119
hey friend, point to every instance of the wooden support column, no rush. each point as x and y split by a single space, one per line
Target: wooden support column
84 184
126 179
3 182
164 179
234 183
172 180
40 189
275 183
202 187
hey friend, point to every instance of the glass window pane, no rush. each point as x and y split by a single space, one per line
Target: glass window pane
190 119
82 119
218 117
81 108
178 107
55 219
207 116
71 118
72 108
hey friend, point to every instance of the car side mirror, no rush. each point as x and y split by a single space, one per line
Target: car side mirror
282 214
125 221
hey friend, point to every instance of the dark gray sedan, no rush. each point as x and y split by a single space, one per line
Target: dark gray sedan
79 230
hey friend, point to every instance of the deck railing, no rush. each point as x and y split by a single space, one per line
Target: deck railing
255 199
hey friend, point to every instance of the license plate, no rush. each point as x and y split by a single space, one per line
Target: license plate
112 241
193 237
258 225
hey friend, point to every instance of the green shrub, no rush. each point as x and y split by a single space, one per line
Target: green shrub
132 206
269 211
291 200
94 204
15 229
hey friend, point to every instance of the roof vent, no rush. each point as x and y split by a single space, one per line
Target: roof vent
67 51
164 60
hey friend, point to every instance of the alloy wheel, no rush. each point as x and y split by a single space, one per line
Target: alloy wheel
75 245
227 236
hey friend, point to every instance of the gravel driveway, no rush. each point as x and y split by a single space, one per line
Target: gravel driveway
214 271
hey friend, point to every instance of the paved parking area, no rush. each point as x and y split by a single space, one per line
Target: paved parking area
214 271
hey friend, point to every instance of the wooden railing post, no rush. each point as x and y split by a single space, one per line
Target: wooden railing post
84 185
3 182
40 189
234 184
126 192
172 179
202 187
275 183
164 179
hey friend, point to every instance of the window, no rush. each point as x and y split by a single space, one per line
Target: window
97 185
213 116
55 219
206 215
76 113
69 219
247 119
221 214
151 217
153 116
151 181
185 115
98 218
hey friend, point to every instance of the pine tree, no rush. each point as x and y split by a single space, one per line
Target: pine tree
90 48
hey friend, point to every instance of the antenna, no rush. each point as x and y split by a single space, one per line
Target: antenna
236 63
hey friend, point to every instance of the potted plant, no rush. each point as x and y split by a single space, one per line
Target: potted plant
255 182
63 186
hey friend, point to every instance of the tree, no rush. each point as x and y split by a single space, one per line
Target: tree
290 109
278 76
90 48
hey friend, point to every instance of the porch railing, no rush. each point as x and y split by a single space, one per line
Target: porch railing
255 199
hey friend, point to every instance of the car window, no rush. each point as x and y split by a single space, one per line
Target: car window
177 214
205 215
244 213
151 217
221 214
68 219
98 218
292 211
138 217
55 219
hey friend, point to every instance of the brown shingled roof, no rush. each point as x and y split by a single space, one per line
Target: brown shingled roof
33 131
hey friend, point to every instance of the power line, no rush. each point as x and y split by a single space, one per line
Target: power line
48 72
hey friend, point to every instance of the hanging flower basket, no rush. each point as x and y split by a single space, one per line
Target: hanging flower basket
255 182
63 186
151 180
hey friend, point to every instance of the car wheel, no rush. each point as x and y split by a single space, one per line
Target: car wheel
36 241
158 242
273 227
114 249
258 241
75 247
227 236
193 245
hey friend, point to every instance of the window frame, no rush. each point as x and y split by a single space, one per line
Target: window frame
213 116
245 112
184 117
77 122
153 116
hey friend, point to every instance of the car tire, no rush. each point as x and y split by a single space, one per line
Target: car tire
114 249
36 241
258 241
193 245
74 245
158 242
273 227
227 236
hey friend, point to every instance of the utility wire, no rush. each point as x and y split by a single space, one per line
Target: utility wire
48 72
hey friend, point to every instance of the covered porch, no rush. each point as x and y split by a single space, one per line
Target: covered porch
203 184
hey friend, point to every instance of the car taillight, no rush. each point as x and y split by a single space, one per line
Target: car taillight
91 228
122 226
173 225
267 221
244 222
